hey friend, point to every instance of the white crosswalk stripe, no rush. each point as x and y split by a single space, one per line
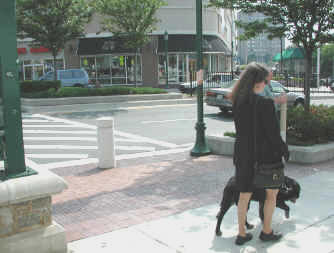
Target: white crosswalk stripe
52 142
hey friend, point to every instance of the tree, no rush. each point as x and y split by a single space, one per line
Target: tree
306 23
130 19
52 24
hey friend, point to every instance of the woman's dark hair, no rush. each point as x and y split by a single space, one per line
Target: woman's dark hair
253 73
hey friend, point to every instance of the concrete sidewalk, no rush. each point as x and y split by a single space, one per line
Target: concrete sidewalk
169 203
310 228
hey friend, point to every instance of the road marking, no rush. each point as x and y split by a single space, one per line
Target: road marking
57 132
61 138
152 106
129 148
35 121
48 156
148 140
70 122
164 121
49 147
187 145
49 126
120 133
162 100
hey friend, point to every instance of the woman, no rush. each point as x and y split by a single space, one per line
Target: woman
269 145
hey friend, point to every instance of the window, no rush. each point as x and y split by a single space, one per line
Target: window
78 74
49 76
65 75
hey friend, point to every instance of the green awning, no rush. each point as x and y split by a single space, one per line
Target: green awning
289 54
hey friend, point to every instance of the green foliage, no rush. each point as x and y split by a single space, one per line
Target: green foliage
85 92
307 24
327 60
313 127
37 86
128 18
230 134
308 128
52 24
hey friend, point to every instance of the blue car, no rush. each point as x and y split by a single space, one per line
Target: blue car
69 77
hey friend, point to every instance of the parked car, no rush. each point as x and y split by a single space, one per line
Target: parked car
219 97
69 77
214 80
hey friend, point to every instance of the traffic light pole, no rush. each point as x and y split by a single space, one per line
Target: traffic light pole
11 134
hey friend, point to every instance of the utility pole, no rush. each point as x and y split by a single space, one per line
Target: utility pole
11 135
201 147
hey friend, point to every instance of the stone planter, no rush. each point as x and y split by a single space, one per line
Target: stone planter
26 215
222 145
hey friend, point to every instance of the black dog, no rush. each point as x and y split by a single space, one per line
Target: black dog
289 191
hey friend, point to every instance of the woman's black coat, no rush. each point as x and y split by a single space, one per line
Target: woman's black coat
270 146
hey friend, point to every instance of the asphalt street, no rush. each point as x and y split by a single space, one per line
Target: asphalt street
68 134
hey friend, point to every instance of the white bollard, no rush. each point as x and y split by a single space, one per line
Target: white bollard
283 121
106 143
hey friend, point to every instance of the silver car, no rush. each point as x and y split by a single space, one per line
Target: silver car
219 97
214 80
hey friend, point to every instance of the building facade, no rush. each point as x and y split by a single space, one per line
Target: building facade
107 61
259 49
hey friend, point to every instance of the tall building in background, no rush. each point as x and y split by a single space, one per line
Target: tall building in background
260 48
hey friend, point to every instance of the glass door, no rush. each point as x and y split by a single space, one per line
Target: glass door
118 69
182 67
103 70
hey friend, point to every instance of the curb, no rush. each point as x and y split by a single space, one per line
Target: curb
222 145
96 99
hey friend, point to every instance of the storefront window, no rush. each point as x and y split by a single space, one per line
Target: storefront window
130 69
28 70
38 71
182 58
214 63
118 69
48 65
172 68
88 63
103 69
161 68
206 62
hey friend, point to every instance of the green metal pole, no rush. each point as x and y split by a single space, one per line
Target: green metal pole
10 92
166 57
201 147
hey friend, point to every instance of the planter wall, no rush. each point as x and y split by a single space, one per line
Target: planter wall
222 145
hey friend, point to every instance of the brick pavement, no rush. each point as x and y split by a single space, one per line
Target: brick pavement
140 190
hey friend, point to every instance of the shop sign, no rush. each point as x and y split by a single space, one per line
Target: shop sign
21 50
39 50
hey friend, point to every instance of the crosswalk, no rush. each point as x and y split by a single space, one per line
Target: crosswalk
53 142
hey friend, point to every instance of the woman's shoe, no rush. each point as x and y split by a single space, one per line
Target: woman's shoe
270 237
243 239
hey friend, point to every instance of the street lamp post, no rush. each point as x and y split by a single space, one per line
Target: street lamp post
201 147
166 56
11 136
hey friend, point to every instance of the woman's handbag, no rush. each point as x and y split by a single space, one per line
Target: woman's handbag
266 175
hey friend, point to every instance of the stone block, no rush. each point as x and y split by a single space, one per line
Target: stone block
6 221
25 216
